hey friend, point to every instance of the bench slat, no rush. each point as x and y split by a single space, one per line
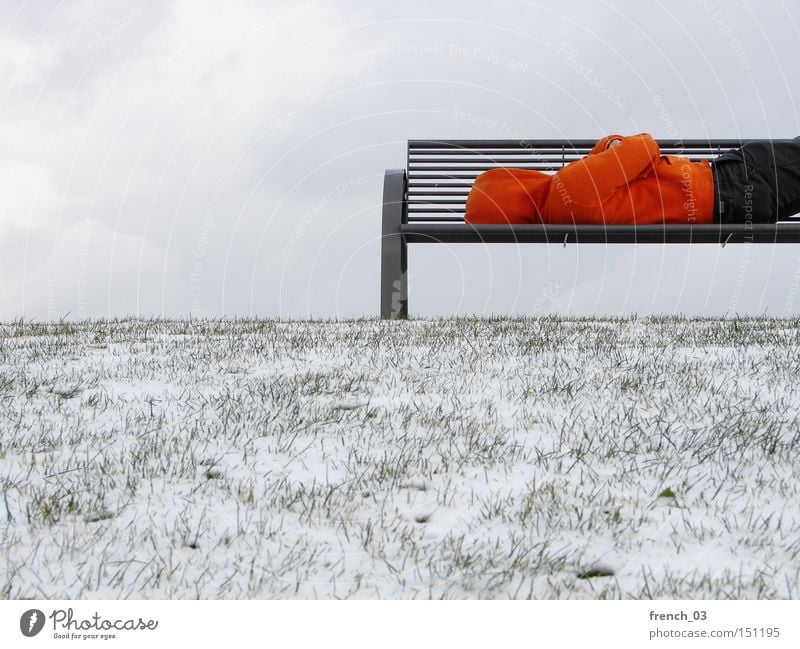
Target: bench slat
414 192
435 210
433 201
436 219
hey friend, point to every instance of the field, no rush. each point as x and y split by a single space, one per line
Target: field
460 458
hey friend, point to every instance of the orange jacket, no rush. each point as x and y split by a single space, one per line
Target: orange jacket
628 183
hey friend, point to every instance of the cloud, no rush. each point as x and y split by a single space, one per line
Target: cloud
207 145
80 275
170 112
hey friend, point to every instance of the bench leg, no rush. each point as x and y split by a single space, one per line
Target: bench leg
394 249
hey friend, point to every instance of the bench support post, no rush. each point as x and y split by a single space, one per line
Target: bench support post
394 253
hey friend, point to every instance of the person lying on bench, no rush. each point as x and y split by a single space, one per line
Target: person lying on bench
626 180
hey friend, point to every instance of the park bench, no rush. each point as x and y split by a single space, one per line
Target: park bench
425 203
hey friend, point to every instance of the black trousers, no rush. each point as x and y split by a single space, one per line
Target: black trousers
758 182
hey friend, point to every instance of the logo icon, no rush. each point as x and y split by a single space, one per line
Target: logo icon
31 622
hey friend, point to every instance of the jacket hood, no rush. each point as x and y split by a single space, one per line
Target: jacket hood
504 196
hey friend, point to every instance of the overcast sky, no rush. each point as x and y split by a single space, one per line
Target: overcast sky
207 158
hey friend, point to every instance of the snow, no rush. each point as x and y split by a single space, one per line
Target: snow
462 458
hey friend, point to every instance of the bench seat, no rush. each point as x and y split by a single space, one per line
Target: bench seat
425 203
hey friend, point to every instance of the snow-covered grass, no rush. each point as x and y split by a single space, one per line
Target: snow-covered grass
460 458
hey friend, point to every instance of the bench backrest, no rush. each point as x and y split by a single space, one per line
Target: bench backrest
441 172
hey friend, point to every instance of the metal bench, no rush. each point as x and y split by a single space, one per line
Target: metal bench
425 203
